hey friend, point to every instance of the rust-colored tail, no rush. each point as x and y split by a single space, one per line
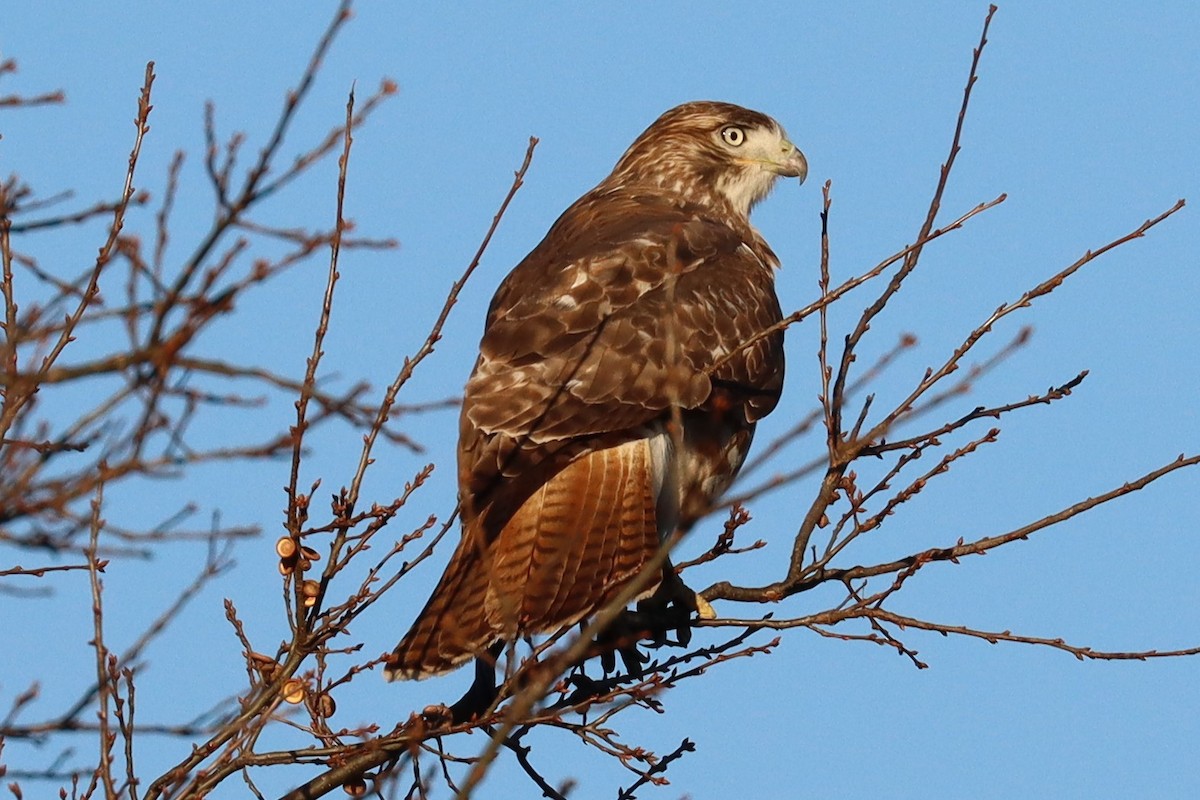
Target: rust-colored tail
570 548
452 628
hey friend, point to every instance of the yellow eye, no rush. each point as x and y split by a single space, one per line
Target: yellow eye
733 135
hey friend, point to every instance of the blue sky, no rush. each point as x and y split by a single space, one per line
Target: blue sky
1086 114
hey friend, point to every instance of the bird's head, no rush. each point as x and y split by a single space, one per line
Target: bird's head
712 152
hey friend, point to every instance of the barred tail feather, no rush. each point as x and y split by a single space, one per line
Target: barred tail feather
567 551
452 628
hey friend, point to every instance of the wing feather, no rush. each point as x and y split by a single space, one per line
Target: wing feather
616 357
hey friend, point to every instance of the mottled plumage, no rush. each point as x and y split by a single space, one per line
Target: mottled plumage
568 477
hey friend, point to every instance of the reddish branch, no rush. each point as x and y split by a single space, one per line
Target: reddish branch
146 395
9 66
813 576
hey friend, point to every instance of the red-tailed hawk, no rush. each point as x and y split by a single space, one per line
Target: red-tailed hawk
570 475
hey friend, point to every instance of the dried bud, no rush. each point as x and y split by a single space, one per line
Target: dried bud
309 590
437 715
293 691
286 546
265 665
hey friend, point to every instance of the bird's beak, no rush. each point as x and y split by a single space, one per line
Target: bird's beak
791 162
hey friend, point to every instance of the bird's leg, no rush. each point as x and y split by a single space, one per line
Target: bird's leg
621 638
670 608
483 689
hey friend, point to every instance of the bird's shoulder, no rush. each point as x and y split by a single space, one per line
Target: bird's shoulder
623 311
611 250
590 339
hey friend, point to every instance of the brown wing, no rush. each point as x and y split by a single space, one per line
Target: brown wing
616 317
601 344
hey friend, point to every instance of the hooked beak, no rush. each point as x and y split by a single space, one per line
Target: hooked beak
791 162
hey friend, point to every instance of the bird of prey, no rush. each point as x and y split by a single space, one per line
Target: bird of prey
620 377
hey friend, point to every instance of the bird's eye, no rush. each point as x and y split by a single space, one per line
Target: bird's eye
733 135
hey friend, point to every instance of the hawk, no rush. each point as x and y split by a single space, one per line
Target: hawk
617 388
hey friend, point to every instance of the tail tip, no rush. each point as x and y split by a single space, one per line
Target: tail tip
395 668
400 666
